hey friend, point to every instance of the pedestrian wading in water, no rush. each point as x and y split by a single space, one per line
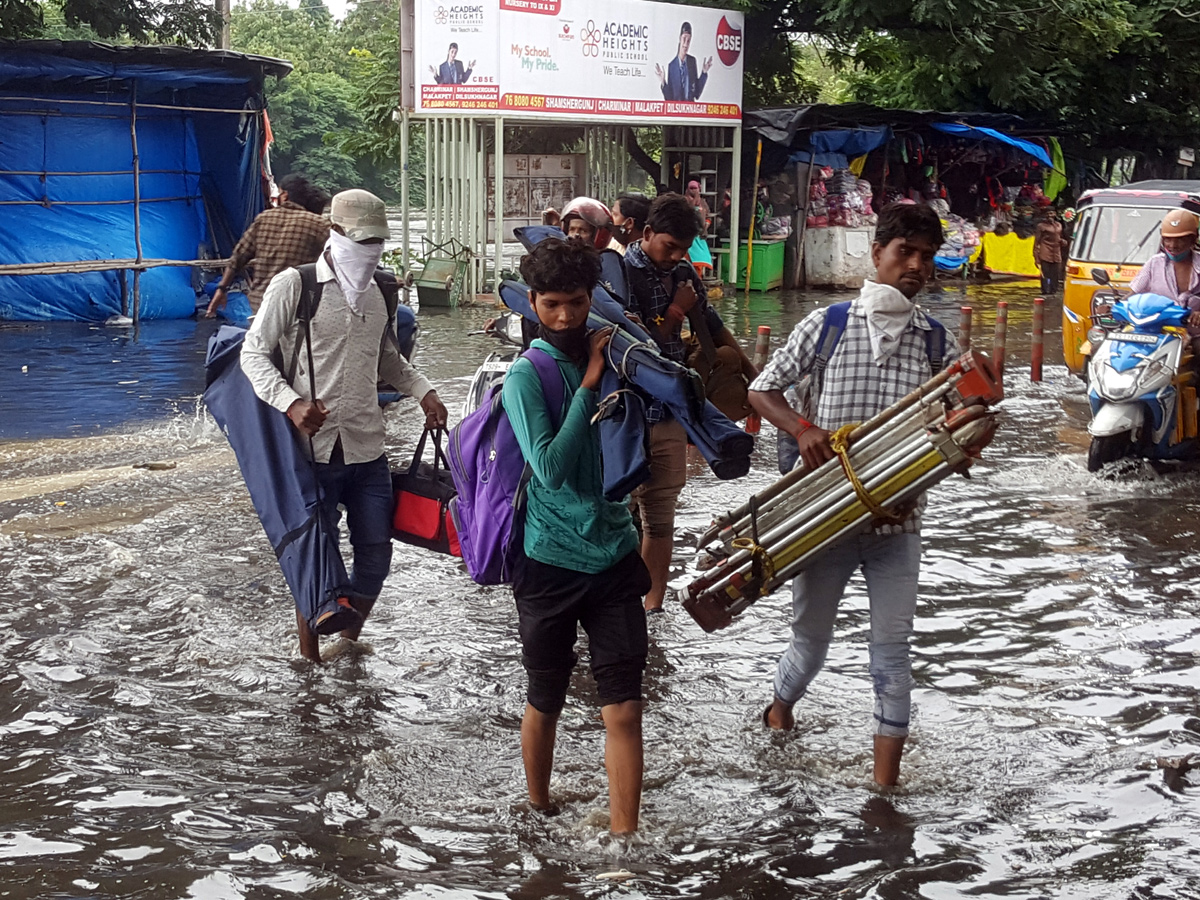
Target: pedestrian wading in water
349 355
581 564
882 355
663 289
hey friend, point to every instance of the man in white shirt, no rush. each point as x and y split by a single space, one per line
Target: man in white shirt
342 421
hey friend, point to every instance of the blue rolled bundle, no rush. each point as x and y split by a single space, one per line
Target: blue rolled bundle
723 444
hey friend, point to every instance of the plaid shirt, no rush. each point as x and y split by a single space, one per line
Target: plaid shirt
854 388
278 239
652 311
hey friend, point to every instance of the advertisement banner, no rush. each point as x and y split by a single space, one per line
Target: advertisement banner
456 56
620 60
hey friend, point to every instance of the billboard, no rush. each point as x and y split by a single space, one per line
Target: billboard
623 59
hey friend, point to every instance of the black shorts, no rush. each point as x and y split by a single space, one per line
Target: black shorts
552 602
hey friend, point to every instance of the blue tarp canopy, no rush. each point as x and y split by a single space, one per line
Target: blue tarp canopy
990 134
68 112
835 147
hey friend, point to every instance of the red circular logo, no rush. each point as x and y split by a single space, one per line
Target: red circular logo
729 42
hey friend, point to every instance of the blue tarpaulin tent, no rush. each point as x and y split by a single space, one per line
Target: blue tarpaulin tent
114 154
991 134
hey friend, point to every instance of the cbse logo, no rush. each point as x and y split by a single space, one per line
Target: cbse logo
729 42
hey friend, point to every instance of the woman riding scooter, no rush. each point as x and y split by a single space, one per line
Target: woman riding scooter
1175 270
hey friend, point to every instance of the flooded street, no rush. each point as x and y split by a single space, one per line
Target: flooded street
160 737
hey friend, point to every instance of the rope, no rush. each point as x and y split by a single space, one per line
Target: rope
840 442
762 566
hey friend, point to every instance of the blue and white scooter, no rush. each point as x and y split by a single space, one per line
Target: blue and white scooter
1141 385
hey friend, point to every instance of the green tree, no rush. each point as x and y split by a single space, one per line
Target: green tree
315 99
304 108
141 21
1114 73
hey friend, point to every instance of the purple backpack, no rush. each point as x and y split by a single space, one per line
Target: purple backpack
491 476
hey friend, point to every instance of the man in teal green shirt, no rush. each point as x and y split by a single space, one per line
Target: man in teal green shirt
581 565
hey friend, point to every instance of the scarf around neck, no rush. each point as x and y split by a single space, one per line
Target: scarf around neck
889 314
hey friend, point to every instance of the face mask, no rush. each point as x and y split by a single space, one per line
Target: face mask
1178 257
572 342
354 264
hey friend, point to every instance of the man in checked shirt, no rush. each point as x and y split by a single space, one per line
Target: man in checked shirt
290 234
882 355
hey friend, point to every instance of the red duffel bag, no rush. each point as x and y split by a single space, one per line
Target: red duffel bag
423 494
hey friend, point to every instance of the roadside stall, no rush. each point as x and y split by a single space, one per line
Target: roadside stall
987 175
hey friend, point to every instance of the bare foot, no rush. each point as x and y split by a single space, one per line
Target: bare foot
778 716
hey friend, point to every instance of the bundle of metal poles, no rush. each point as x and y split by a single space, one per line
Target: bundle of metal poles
882 464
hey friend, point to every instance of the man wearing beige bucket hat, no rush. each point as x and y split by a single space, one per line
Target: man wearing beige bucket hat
331 397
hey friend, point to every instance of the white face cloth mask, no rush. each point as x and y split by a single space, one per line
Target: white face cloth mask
354 266
889 313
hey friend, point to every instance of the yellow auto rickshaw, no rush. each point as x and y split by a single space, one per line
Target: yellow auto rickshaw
1116 229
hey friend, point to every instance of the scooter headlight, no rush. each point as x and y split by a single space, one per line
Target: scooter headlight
1095 335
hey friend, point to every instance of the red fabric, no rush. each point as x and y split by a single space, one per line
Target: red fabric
418 516
452 534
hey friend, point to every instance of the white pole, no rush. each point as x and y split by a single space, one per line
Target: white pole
499 151
404 198
735 194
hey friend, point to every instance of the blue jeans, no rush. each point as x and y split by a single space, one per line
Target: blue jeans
365 489
890 563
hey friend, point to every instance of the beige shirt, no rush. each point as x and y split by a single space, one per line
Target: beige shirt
346 357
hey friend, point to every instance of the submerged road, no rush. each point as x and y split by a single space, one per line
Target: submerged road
160 738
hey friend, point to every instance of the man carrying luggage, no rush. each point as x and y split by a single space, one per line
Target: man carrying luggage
349 355
884 353
663 289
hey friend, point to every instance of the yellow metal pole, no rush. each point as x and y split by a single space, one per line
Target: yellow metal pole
753 210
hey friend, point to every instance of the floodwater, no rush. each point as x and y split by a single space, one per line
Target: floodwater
160 738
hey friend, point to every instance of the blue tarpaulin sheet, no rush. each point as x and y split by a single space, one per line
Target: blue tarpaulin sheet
67 184
282 483
835 147
971 131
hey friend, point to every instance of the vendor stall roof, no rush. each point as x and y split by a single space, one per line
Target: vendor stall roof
782 125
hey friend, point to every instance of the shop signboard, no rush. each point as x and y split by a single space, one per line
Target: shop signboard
622 60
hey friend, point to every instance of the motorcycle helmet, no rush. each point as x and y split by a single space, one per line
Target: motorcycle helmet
595 214
1180 223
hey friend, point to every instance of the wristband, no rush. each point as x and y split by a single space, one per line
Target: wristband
804 426
675 314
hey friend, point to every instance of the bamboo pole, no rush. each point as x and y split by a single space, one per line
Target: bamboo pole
804 223
78 267
167 106
754 210
239 111
405 203
137 201
49 203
